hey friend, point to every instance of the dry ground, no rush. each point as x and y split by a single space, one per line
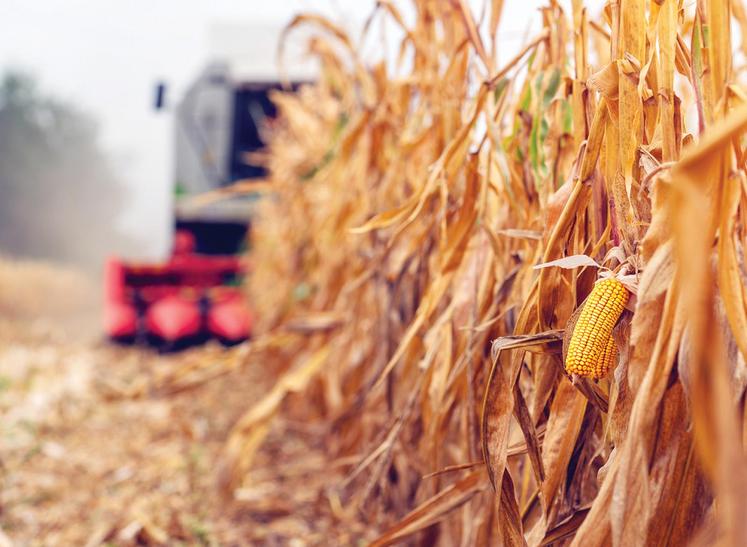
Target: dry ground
119 446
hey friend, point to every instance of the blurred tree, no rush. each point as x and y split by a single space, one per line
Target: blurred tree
59 198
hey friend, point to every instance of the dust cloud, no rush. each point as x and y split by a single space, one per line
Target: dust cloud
60 198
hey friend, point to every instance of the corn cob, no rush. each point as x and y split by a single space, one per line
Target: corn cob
592 350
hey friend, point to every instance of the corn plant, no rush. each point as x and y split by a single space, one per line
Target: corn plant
432 230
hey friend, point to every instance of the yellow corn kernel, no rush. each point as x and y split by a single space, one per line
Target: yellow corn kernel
608 360
593 330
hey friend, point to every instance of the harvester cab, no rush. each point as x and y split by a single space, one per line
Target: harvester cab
195 294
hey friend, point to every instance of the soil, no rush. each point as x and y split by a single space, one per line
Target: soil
108 445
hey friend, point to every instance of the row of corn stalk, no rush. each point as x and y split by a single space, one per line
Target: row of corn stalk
397 281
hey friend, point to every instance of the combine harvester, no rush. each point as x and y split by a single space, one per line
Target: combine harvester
195 294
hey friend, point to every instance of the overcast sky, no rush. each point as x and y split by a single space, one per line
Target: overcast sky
105 56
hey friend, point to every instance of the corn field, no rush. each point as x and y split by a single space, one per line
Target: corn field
432 226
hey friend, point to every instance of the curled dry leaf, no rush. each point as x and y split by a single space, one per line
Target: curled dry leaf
570 262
